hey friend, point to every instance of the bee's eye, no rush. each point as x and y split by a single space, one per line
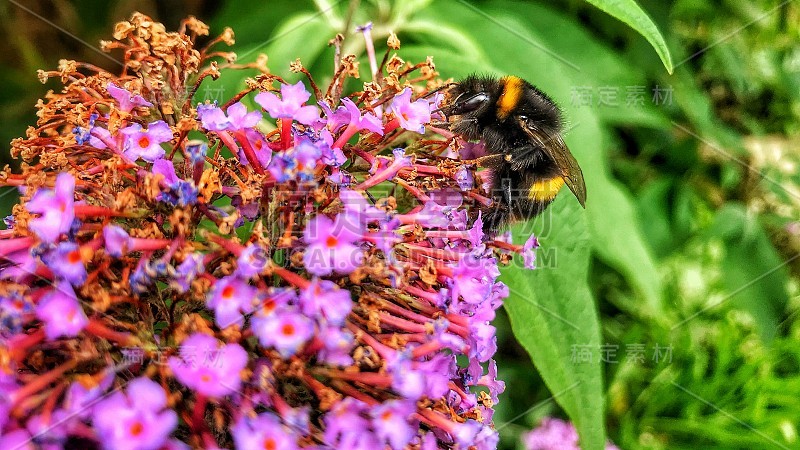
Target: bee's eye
470 104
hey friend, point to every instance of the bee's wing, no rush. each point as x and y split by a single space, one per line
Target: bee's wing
553 145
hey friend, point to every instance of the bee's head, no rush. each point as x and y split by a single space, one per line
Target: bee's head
470 97
469 104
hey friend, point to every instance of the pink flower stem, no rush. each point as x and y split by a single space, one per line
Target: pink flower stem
368 157
402 324
97 328
148 244
505 246
348 132
431 297
20 344
350 391
365 337
414 191
199 413
447 234
291 277
386 174
435 420
426 348
89 211
438 253
249 153
368 378
8 246
485 201
391 126
41 381
286 133
227 244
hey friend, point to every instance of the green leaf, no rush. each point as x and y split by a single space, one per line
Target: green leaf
753 273
552 313
631 13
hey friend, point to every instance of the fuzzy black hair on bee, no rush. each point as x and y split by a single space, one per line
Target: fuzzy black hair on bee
521 128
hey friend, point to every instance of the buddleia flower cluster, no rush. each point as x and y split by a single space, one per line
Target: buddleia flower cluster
270 272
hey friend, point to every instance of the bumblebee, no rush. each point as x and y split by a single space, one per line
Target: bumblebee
521 128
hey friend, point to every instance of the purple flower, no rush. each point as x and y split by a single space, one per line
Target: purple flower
406 381
179 192
81 395
214 119
355 204
487 438
324 298
529 252
464 179
146 144
412 115
187 271
98 136
208 369
57 209
61 313
469 281
137 420
346 427
331 244
51 429
84 135
464 433
15 311
262 432
251 262
259 145
285 330
554 434
117 240
65 261
335 119
126 100
337 346
496 386
290 105
196 151
369 121
298 162
230 297
391 423
17 440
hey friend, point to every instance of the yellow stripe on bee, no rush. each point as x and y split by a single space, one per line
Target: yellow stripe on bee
545 190
512 91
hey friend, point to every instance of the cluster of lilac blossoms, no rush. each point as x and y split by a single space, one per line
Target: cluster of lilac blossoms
175 276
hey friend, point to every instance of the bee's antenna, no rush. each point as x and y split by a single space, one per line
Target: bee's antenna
444 86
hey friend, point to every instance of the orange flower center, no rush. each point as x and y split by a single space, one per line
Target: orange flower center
386 415
270 444
144 142
74 256
137 428
205 378
228 292
288 329
331 241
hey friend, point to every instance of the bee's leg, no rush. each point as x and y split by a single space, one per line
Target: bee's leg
480 162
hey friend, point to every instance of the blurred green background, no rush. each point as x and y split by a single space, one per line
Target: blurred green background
691 230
